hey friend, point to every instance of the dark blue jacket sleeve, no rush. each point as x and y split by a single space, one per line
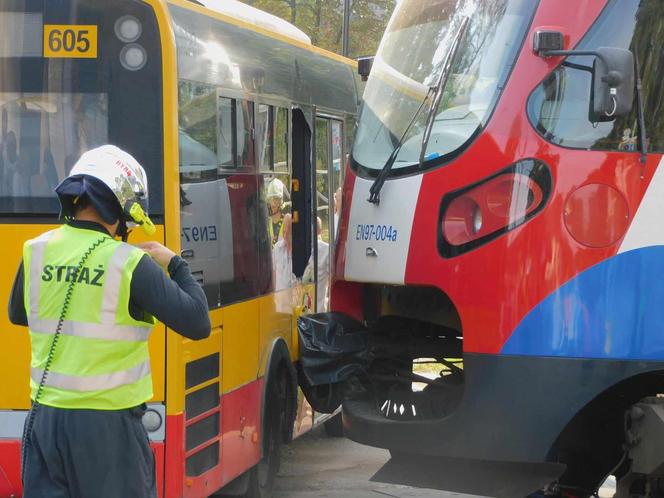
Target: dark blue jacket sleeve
16 307
179 301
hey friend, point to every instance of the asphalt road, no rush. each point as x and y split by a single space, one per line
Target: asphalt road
315 466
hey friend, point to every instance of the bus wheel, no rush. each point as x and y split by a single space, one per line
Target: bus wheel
262 476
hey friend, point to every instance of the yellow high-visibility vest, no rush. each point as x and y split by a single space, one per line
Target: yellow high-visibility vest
101 360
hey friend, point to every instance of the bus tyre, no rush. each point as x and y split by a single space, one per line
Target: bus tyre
263 475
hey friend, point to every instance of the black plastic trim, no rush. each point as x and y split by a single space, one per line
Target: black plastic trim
201 370
203 461
202 431
201 401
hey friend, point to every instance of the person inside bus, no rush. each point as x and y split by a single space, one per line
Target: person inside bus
282 256
323 269
276 192
337 209
100 298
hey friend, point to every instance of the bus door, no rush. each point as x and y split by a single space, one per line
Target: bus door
328 179
303 234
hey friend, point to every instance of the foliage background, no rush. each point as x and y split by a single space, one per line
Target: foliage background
322 20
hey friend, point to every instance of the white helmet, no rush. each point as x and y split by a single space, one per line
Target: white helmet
275 188
121 173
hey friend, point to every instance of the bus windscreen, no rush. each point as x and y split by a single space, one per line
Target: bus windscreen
41 137
72 80
22 34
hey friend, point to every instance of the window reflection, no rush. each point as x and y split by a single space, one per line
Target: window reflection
198 113
41 137
245 122
409 62
281 139
224 212
226 139
264 129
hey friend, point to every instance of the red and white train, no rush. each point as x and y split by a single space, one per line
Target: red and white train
503 221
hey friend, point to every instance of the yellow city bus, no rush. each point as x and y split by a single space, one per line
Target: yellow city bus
224 106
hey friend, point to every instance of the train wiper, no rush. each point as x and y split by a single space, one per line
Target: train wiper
434 91
374 191
442 83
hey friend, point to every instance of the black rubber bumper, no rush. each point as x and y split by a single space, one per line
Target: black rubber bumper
513 408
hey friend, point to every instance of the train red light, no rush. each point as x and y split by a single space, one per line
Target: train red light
484 211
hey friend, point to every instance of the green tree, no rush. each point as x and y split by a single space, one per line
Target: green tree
322 20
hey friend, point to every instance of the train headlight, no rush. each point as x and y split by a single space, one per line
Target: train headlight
133 57
128 29
481 212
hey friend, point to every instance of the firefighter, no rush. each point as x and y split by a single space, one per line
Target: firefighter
90 301
275 194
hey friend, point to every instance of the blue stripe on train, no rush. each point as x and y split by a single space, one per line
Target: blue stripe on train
614 309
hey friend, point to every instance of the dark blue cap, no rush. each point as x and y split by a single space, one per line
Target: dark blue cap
101 197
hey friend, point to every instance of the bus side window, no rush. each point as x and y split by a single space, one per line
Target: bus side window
322 221
264 138
246 264
227 136
280 134
206 236
337 177
245 133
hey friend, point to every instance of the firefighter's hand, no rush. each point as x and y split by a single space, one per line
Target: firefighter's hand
160 253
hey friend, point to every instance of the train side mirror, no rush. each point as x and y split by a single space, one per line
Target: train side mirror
364 65
612 90
612 87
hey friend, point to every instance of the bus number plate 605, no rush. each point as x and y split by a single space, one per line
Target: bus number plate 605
70 41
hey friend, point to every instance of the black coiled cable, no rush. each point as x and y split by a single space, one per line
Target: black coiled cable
27 429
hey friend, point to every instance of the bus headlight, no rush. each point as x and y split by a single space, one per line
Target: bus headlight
128 29
133 57
151 420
